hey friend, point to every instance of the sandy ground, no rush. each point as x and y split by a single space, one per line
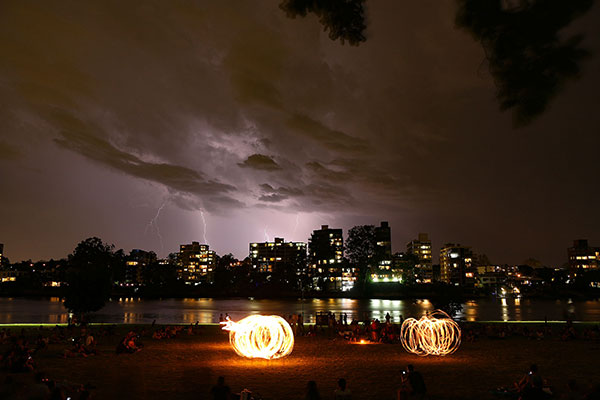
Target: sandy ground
186 367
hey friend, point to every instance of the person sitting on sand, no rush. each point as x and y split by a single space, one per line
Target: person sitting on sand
531 385
417 383
220 391
568 333
39 389
74 351
342 392
129 344
405 390
311 391
573 392
18 357
593 393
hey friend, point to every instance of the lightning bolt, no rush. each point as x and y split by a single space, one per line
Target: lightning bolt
296 225
266 235
154 224
204 223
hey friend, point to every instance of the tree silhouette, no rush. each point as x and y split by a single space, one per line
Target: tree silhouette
223 274
360 249
344 19
528 59
89 275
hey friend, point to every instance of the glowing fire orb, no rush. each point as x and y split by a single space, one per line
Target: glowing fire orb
435 334
260 336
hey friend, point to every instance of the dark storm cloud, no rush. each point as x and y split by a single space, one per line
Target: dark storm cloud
174 177
272 198
8 152
168 100
261 68
309 196
261 162
329 138
158 138
327 173
282 191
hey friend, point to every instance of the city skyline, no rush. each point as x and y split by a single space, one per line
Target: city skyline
397 248
152 125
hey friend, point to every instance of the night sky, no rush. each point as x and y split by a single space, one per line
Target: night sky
155 123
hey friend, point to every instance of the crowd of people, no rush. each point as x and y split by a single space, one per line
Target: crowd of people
541 331
531 386
338 327
221 391
20 347
412 387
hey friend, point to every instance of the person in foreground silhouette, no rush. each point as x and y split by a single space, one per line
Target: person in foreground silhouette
220 391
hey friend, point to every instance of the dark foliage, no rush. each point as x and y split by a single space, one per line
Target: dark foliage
224 274
89 275
344 19
529 57
157 276
360 249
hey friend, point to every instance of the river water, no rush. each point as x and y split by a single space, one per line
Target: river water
206 310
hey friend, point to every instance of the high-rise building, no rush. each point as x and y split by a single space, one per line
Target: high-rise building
381 266
277 256
136 262
383 244
421 248
456 264
582 256
1 252
326 258
196 263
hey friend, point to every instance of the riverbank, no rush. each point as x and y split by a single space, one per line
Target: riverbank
187 366
205 310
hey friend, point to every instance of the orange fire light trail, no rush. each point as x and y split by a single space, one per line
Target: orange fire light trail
260 336
434 334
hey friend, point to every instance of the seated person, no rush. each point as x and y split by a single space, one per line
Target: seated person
531 385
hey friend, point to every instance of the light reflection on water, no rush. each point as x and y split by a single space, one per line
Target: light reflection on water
206 310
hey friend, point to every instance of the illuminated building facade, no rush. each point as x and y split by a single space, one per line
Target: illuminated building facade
8 276
394 272
456 263
326 259
195 263
274 257
421 249
136 262
582 256
382 269
1 253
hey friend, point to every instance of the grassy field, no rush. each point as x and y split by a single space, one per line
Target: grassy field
187 366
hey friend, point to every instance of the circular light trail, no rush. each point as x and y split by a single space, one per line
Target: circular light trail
260 336
435 334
